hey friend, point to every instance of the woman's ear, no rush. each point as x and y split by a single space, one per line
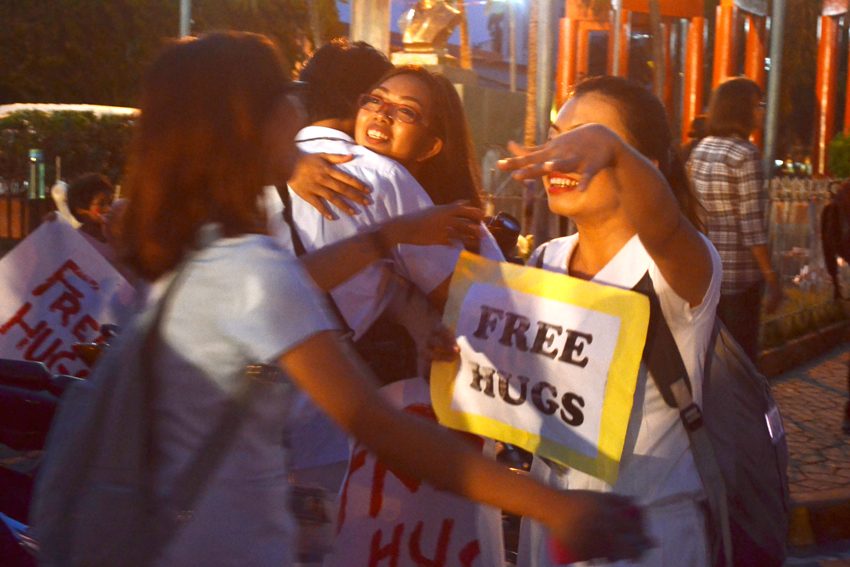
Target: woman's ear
435 148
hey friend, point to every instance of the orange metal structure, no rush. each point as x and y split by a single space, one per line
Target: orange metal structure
826 84
580 21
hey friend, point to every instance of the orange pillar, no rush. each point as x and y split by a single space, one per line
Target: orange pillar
724 43
625 35
825 91
693 74
847 101
566 72
755 49
669 72
582 50
754 60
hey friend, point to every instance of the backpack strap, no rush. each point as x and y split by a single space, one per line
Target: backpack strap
664 363
539 262
300 250
193 479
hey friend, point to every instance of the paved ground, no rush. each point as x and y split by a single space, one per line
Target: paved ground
812 399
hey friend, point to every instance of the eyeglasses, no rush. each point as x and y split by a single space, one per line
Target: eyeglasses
400 112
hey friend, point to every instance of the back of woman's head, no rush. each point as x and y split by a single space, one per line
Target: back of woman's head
452 174
198 151
337 74
732 109
645 118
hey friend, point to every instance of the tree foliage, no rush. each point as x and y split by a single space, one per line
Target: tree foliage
95 52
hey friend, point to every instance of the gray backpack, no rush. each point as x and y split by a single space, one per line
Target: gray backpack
94 503
737 440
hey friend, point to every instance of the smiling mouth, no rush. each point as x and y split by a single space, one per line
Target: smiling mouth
559 183
376 135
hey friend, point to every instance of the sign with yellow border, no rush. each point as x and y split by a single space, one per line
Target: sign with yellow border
548 362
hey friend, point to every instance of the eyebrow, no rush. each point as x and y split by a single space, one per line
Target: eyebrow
410 98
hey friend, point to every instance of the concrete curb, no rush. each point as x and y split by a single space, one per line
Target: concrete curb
796 352
820 517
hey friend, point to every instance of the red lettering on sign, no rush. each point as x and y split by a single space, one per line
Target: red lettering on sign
31 354
469 553
59 276
389 551
18 319
61 368
415 545
67 305
378 479
79 330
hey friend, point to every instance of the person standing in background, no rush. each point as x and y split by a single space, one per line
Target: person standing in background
725 168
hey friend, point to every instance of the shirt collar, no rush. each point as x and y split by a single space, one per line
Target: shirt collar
312 132
625 269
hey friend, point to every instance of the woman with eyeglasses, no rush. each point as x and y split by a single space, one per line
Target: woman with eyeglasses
416 118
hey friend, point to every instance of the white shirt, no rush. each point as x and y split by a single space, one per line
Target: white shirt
243 300
657 467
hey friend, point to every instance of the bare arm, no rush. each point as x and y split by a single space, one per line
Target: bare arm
668 236
335 263
589 524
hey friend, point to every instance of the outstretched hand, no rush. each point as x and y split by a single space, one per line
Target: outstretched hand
598 525
440 224
586 150
319 182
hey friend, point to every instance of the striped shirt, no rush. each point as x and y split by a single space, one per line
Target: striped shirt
727 175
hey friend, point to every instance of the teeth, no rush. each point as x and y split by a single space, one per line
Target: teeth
376 134
564 182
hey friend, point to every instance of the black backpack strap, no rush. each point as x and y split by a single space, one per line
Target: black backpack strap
660 352
539 262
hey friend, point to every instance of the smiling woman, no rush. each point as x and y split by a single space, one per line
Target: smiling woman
416 117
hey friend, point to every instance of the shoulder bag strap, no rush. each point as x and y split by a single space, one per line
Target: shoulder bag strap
191 482
539 262
300 250
665 365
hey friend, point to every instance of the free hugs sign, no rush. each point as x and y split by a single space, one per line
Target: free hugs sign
548 362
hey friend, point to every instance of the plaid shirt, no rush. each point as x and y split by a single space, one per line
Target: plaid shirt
727 176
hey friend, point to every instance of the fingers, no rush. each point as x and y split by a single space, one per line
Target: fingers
350 186
441 345
320 205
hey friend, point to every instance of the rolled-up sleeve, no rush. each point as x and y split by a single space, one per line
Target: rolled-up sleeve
751 202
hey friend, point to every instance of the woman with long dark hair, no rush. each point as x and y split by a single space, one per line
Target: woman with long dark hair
215 127
610 166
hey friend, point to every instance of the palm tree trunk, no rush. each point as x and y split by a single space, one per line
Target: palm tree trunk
465 50
531 81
